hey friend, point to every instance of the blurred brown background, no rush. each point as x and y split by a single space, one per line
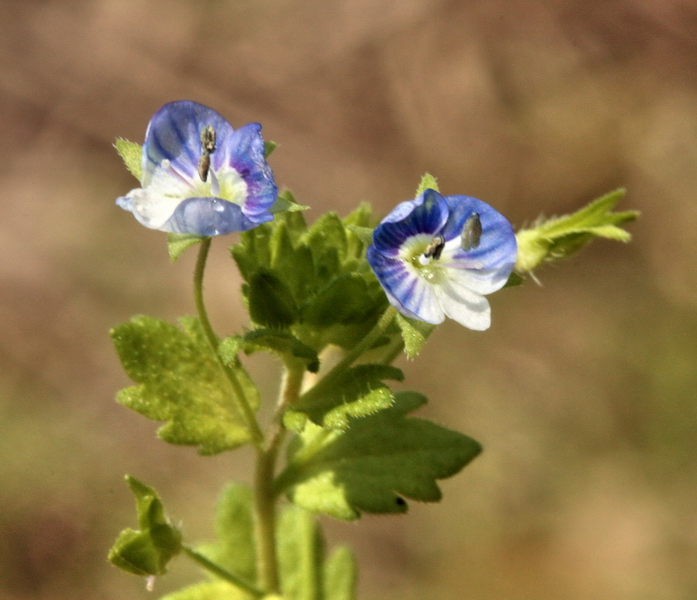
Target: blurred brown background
583 391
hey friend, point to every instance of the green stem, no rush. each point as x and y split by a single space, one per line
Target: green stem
222 573
241 400
365 344
264 496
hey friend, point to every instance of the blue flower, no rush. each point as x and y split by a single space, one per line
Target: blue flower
438 256
200 176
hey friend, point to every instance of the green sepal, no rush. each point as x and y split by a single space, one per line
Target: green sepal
559 237
282 343
148 550
132 155
183 382
428 182
233 549
340 575
375 463
177 243
269 147
414 333
271 302
285 202
357 392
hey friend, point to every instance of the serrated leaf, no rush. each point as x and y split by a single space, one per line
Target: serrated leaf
283 343
357 392
181 382
252 252
375 463
148 550
177 243
414 333
300 555
364 234
340 575
208 590
326 237
132 155
344 301
234 529
271 302
428 182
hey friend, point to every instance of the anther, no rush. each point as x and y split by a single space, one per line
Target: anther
435 248
207 148
471 232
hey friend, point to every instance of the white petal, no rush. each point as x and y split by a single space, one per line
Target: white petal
464 305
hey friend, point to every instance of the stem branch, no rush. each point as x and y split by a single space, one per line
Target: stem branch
222 573
241 400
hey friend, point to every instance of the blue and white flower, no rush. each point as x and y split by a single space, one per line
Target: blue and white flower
201 176
439 256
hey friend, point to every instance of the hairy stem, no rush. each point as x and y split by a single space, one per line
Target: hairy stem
264 496
241 400
222 573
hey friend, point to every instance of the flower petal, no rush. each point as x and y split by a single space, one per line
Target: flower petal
497 247
244 152
409 293
426 214
210 216
463 305
174 134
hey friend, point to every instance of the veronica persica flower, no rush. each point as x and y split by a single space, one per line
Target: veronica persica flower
201 176
439 256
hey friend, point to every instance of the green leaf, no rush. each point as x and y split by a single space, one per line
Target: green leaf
364 234
375 463
300 555
178 242
345 300
269 147
428 182
340 575
285 202
148 550
183 382
132 155
357 392
561 236
414 333
271 302
283 343
234 529
208 590
327 240
252 252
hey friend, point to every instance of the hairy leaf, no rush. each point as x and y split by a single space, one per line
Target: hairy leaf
183 382
358 392
147 550
375 463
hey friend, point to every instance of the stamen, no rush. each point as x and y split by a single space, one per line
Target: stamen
207 148
435 248
471 232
